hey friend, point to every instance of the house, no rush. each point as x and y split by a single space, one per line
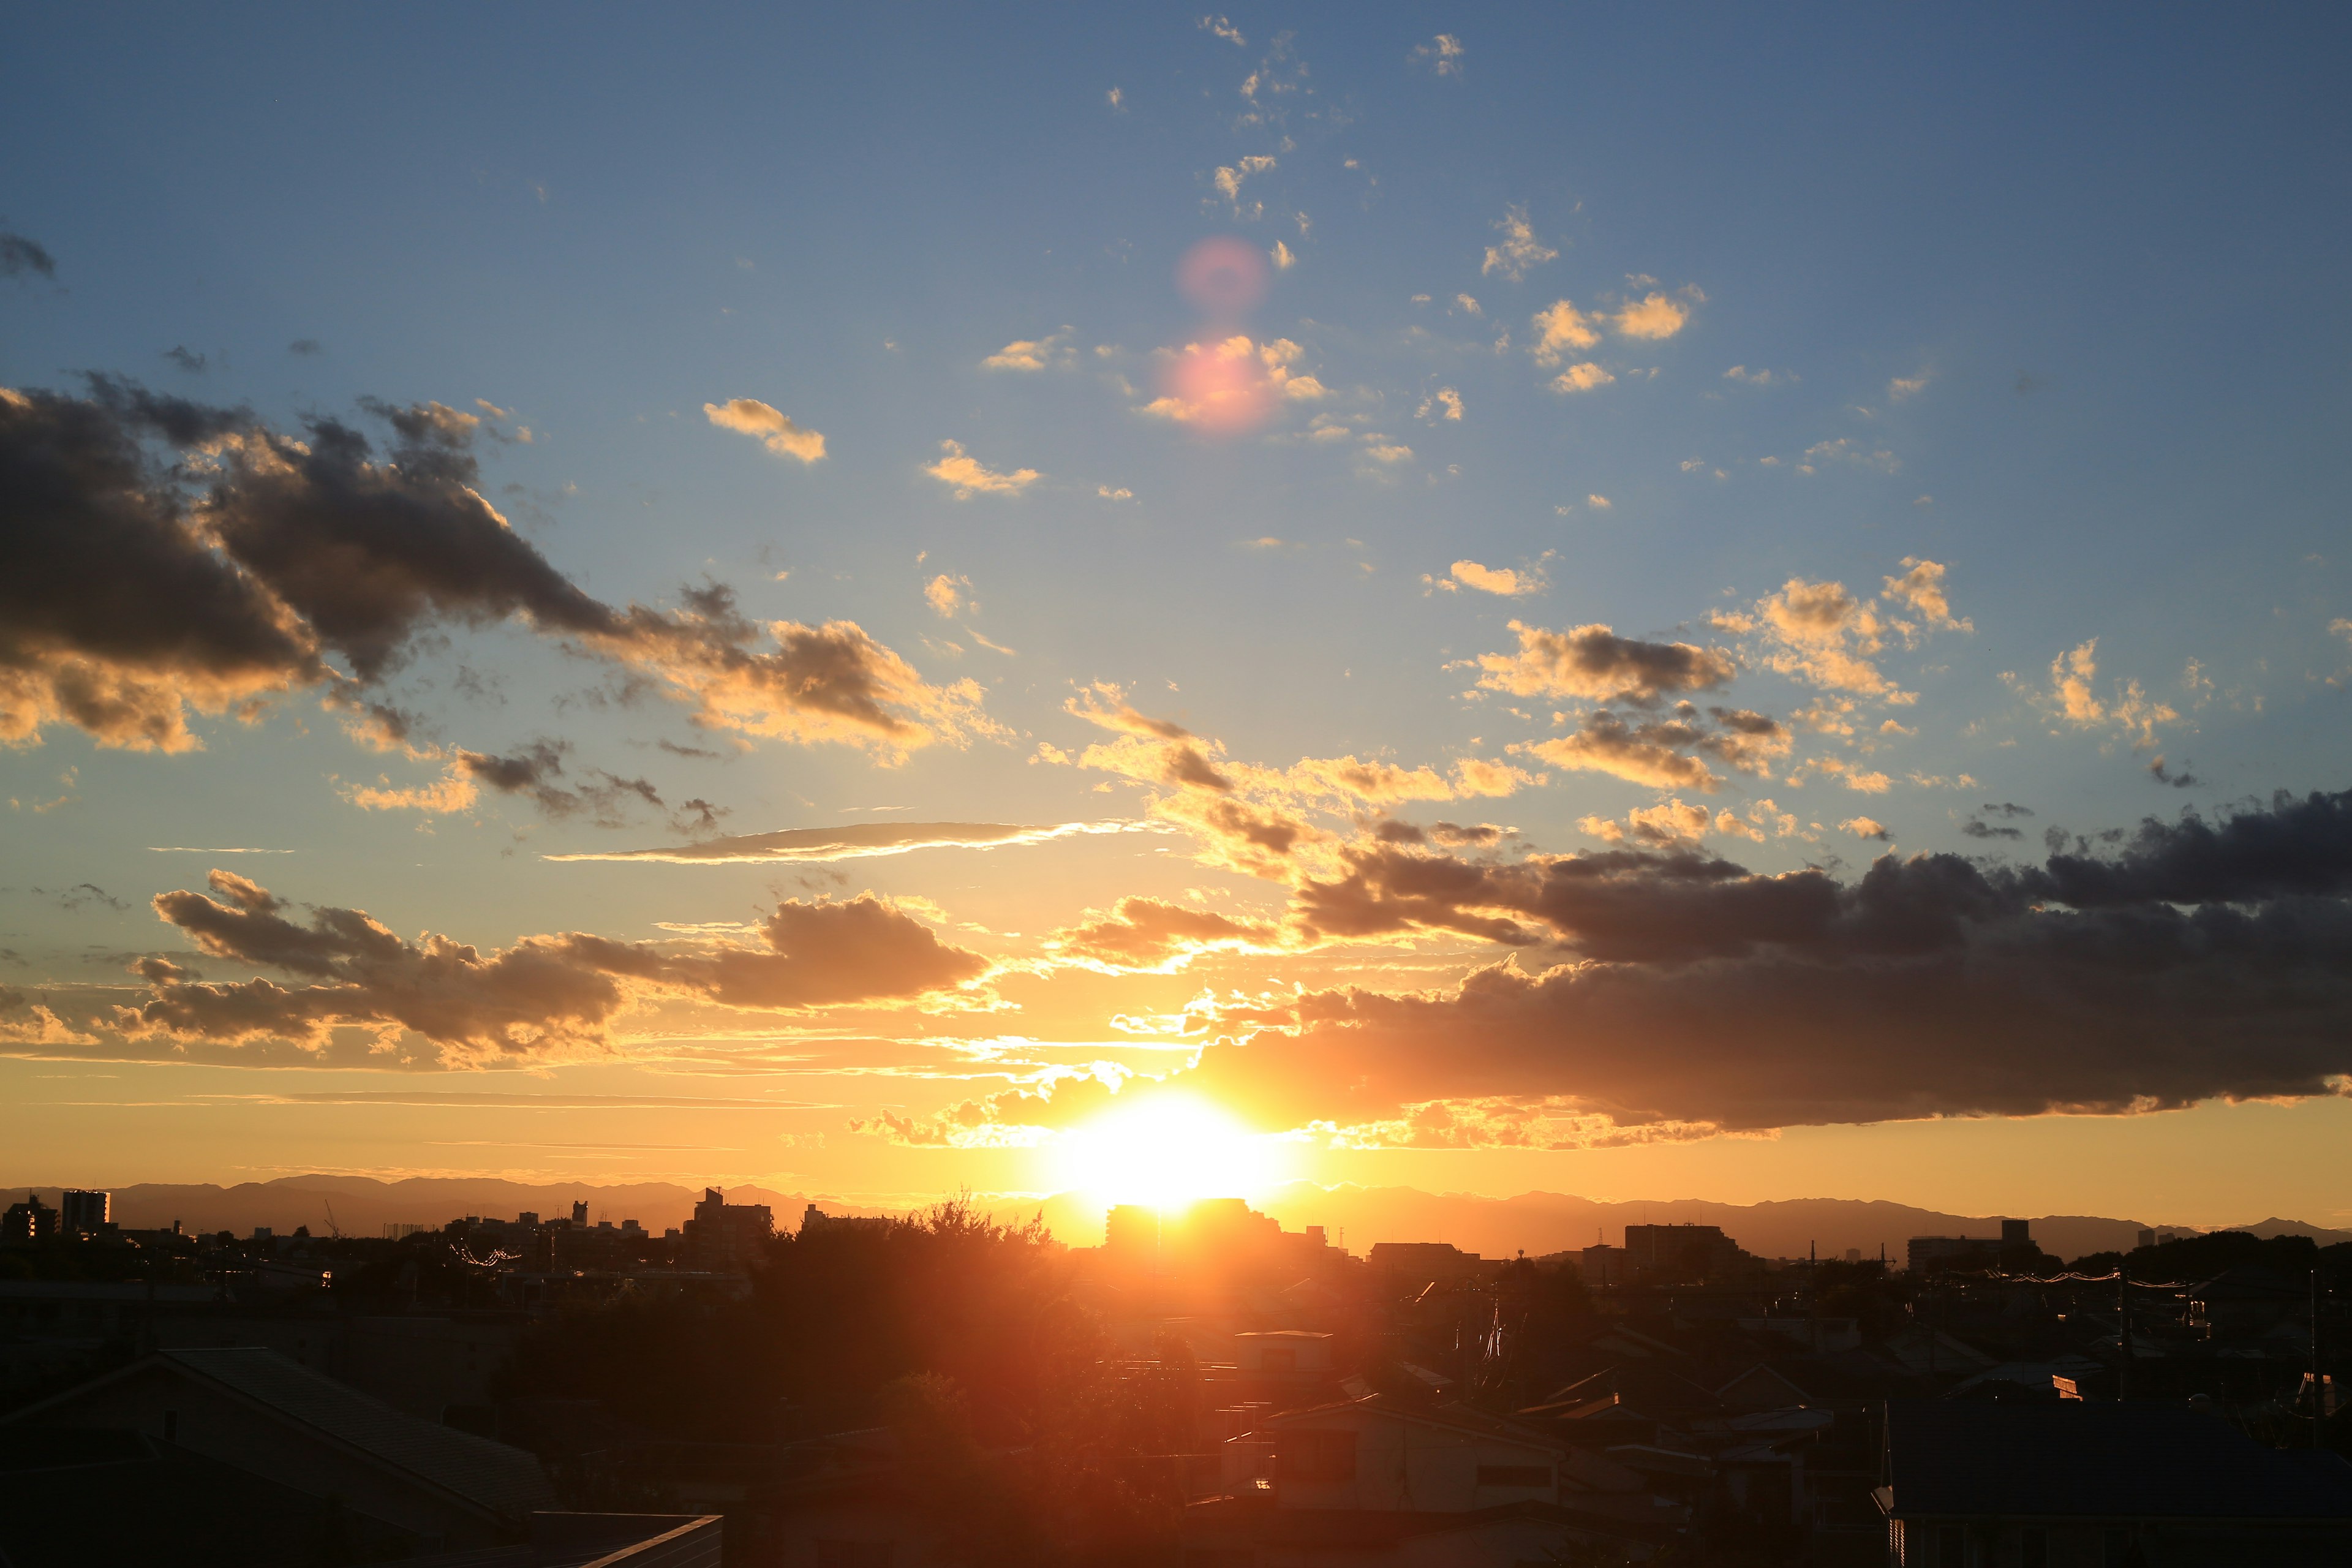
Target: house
2084 1484
260 1413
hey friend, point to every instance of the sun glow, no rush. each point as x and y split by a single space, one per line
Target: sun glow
1165 1152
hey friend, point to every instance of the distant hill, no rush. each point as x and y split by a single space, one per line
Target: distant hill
362 1206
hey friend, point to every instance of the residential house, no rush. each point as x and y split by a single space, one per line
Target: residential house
2085 1484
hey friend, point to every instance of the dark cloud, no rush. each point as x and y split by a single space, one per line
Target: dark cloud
2184 779
544 994
1976 829
19 256
80 896
697 817
305 346
2194 959
131 591
1593 662
115 614
187 359
2006 808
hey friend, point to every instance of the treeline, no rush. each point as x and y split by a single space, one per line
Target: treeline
959 1334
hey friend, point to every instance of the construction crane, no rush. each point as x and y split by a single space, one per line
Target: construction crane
332 1225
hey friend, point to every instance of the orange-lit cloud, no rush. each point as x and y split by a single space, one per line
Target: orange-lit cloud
770 427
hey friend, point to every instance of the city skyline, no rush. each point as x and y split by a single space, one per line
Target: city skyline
1647 606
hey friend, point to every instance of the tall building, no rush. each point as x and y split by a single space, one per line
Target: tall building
84 1213
1681 1251
728 1238
1131 1232
29 1221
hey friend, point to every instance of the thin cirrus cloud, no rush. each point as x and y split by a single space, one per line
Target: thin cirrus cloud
770 426
858 841
244 578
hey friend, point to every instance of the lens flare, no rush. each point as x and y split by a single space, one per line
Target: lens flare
1165 1150
1222 387
1225 278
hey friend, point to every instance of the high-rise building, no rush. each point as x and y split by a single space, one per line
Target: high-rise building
728 1238
82 1212
29 1221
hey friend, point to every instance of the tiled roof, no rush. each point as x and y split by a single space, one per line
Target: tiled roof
506 1481
2108 1461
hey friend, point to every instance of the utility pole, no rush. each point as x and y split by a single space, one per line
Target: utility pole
2122 1318
2319 1387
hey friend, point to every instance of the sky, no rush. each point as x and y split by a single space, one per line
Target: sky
1647 602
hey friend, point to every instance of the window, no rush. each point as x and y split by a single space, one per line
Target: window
1514 1475
1315 1456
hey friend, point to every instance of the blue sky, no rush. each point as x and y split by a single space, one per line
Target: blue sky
2051 301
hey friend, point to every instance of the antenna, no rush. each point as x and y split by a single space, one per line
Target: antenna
332 1225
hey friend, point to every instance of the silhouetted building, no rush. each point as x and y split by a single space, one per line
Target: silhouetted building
1681 1251
727 1238
1132 1231
83 1213
1433 1262
2101 1482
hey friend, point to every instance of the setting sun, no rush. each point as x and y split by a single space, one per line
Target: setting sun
1164 1151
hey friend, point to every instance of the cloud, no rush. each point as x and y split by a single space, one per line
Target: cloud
769 426
854 841
531 773
2184 779
231 577
1446 400
2073 696
1046 353
945 594
969 477
20 255
1822 634
1560 328
1599 503
2199 961
1107 493
1441 54
1583 377
1921 586
1666 826
1653 751
187 359
1254 819
1505 581
545 994
1655 316
1281 257
1593 662
1864 828
1740 372
1229 180
1223 29
1903 389
1147 935
1520 249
